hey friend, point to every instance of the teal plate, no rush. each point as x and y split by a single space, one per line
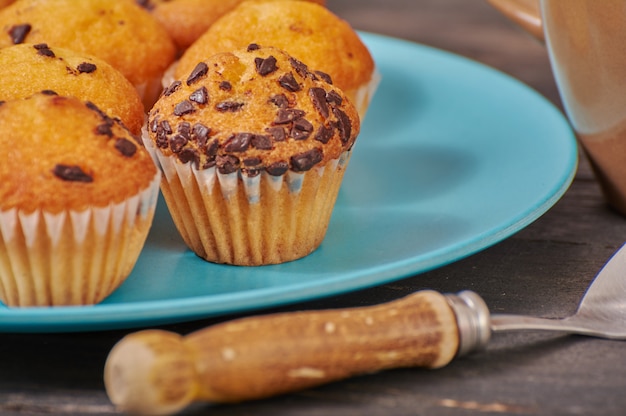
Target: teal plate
453 157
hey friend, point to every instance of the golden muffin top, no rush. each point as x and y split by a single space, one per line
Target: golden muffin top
118 32
307 31
253 110
187 20
26 69
60 153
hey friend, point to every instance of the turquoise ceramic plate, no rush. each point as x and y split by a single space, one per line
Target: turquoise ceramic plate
453 157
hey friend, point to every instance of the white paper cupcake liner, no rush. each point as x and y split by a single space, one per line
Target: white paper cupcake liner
235 219
72 257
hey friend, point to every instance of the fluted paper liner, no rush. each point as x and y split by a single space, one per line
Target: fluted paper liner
235 219
73 257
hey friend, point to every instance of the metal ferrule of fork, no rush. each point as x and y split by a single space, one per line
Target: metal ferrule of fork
473 321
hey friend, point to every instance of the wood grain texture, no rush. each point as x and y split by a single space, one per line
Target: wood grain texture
542 270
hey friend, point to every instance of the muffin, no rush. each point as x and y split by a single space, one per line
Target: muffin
186 20
253 146
77 198
307 31
26 69
118 32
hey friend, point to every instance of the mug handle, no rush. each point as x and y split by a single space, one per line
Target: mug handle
525 13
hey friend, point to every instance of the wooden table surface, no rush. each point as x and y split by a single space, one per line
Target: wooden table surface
542 270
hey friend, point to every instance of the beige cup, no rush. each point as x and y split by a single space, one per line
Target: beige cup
586 43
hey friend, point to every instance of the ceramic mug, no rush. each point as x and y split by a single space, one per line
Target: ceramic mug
586 42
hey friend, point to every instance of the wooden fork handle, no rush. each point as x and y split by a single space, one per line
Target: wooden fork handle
159 372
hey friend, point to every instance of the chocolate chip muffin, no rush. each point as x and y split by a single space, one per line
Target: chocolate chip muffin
118 32
253 145
307 31
77 198
187 20
26 69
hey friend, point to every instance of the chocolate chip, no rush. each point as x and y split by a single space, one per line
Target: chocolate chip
200 96
324 76
49 92
44 50
300 68
333 98
162 140
167 128
324 134
251 161
238 142
18 33
261 142
301 130
288 82
189 155
126 147
279 100
177 143
231 106
86 68
200 134
172 88
287 115
71 173
227 164
253 47
184 129
278 168
225 86
198 72
344 125
318 97
184 107
104 129
265 66
212 148
306 160
277 133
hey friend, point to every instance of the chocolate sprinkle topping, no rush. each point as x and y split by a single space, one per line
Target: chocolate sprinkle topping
306 160
126 147
71 173
265 66
288 82
18 33
198 72
86 68
200 96
184 107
